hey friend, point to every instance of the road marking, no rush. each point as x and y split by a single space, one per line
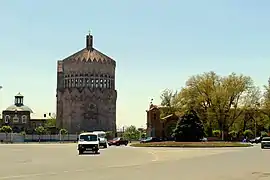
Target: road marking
155 156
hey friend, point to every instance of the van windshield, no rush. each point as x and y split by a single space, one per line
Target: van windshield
88 138
102 135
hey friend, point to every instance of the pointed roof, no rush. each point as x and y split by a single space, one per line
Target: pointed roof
89 55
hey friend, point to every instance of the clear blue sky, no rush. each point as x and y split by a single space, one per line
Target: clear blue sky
157 45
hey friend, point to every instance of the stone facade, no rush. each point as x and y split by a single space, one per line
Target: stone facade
86 95
18 117
157 126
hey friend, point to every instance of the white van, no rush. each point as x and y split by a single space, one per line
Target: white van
88 142
102 138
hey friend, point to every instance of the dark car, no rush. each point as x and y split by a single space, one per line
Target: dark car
150 139
265 143
118 141
256 140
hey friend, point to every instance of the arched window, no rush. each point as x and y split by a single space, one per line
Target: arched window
24 119
87 80
96 83
15 119
7 119
101 83
105 83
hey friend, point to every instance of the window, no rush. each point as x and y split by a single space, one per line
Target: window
97 83
87 82
101 83
155 117
92 83
24 119
15 119
7 119
105 83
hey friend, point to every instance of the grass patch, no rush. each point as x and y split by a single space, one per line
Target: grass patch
191 144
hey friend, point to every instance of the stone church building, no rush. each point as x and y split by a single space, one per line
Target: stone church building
18 117
86 94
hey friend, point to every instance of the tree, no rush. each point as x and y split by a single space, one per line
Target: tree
40 130
63 133
6 130
50 122
131 133
218 100
168 102
109 135
189 128
266 105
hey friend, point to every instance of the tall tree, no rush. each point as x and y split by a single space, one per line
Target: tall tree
266 105
189 128
218 100
131 133
169 102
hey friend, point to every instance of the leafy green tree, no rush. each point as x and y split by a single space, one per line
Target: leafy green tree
248 133
264 134
218 100
131 133
109 135
40 130
216 133
168 102
6 130
51 121
189 128
63 133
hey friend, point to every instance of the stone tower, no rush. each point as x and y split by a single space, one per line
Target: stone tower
86 95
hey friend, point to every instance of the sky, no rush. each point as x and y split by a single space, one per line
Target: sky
157 45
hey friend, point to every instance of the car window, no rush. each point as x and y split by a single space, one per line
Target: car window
116 139
266 138
88 138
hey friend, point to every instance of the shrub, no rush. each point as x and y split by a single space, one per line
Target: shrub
233 134
248 133
264 134
217 133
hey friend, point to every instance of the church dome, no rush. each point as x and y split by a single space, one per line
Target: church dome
19 108
18 105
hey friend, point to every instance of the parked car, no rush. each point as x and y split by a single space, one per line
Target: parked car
204 139
150 139
118 141
265 143
256 140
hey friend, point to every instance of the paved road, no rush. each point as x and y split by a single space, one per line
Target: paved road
61 162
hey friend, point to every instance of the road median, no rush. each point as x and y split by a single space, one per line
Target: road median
191 144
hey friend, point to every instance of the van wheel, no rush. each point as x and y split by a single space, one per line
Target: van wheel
105 146
80 152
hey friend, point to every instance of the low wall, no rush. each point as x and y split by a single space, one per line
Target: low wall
14 137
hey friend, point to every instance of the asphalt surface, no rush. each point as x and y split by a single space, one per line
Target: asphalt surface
62 162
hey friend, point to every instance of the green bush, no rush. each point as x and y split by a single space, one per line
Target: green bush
248 133
264 134
233 134
217 133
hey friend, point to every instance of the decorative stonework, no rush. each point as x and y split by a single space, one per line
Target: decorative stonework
86 95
